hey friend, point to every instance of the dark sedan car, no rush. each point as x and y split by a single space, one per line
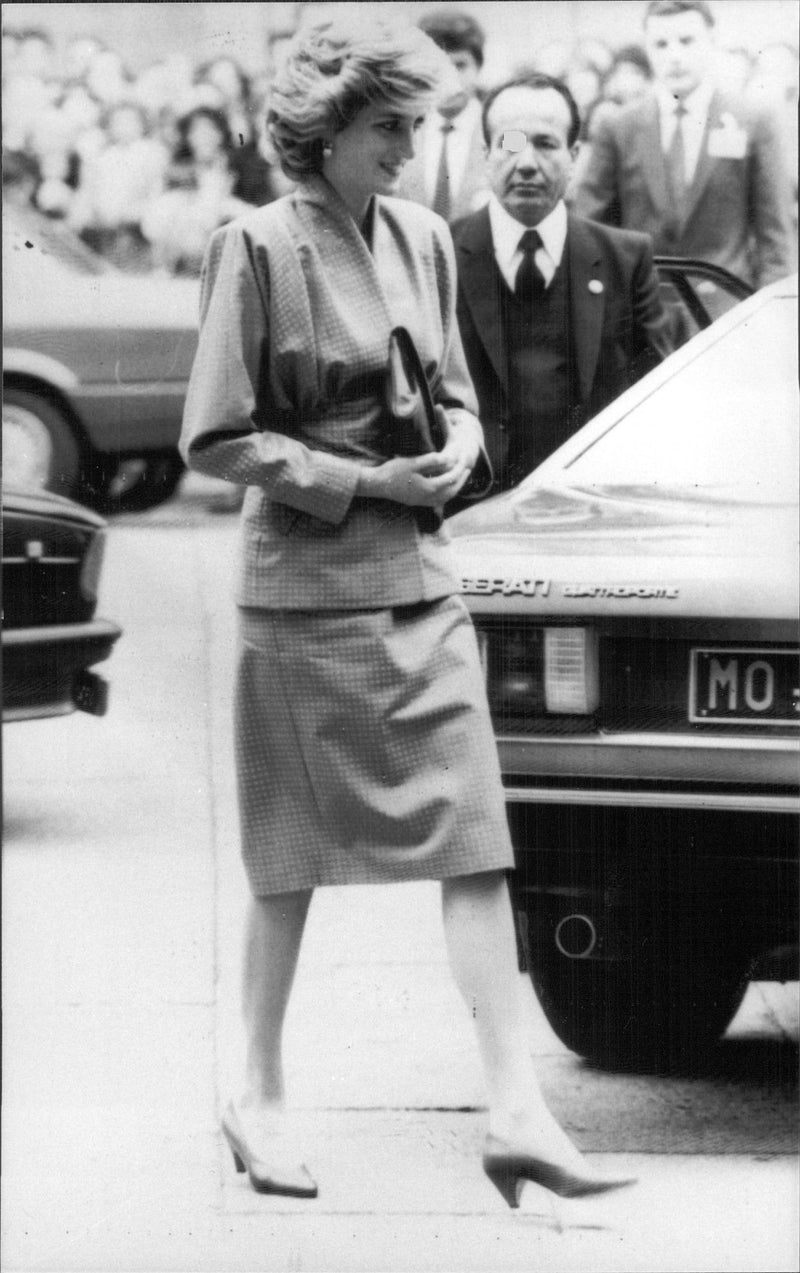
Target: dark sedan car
95 367
636 600
52 557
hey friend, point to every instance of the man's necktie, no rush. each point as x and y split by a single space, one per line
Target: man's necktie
676 162
529 281
441 194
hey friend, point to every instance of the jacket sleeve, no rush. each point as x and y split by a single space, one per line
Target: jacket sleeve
769 200
229 402
597 193
454 389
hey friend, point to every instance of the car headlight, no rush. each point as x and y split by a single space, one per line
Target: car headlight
91 566
534 671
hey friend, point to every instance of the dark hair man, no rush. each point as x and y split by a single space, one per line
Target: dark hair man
702 171
558 315
448 173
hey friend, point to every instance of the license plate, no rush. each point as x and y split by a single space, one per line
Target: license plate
744 686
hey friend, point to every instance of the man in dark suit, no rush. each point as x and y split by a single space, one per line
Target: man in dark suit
558 315
700 170
447 173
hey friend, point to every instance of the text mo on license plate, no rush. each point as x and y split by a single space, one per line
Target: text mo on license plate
744 686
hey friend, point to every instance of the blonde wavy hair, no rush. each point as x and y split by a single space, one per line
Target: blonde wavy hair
336 67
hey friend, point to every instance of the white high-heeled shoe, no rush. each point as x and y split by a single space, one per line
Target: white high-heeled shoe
267 1173
509 1170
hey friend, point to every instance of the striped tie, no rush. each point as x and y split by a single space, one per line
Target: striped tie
441 194
676 163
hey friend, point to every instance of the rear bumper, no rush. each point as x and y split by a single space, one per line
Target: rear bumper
654 771
44 669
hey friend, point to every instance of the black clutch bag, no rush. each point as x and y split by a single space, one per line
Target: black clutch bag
414 428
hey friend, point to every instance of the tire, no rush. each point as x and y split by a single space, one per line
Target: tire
40 450
134 485
639 990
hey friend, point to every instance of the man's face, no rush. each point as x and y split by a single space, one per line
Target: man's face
467 70
680 47
529 160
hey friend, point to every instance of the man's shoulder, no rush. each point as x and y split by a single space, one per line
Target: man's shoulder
746 111
608 238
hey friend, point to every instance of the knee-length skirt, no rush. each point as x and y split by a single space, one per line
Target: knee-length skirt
364 748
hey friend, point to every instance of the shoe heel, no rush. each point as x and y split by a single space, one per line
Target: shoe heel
238 1161
507 1184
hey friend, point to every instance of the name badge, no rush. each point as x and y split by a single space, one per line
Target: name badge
728 141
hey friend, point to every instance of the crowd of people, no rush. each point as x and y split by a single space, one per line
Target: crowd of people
144 166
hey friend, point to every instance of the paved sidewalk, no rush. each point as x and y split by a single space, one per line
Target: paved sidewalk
123 899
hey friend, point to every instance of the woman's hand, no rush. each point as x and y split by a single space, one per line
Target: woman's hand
424 481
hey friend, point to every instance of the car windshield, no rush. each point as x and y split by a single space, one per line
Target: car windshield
726 423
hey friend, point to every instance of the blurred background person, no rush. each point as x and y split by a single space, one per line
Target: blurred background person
448 173
732 70
29 85
629 77
258 179
108 78
79 53
701 170
774 86
83 115
199 196
119 184
51 141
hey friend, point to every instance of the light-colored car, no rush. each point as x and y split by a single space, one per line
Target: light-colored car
636 601
95 367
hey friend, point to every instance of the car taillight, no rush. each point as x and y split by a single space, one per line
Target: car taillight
92 562
571 671
537 671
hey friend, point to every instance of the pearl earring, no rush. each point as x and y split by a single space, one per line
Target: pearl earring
327 150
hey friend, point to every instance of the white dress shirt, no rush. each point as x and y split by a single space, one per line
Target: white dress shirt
459 144
506 235
697 105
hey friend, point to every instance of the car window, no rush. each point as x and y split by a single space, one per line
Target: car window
694 294
726 420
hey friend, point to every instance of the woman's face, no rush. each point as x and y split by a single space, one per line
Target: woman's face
204 139
368 156
225 77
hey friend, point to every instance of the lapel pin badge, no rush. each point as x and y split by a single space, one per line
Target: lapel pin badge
595 286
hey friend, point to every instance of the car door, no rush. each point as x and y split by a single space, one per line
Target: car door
695 293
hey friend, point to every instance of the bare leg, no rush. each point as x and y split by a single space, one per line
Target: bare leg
481 945
255 1126
272 944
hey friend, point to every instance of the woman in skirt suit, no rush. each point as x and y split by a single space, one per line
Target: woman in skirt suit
364 747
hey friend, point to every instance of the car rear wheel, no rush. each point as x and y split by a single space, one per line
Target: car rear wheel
39 448
631 990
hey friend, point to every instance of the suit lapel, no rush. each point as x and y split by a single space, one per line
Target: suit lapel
586 301
705 162
479 284
651 156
